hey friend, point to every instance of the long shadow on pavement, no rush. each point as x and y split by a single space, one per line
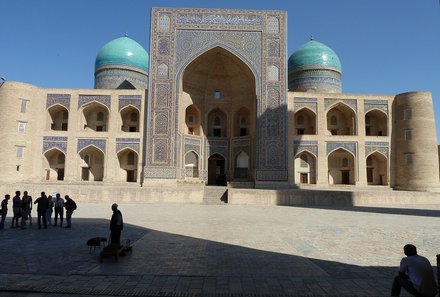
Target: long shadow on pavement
58 261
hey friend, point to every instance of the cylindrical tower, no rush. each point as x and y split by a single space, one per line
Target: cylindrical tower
19 113
315 67
414 153
121 64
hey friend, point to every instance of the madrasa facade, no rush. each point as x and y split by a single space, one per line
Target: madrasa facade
218 101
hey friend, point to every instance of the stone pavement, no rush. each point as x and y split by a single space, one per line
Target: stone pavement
219 250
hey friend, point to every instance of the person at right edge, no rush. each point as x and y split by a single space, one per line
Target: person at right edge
415 275
116 226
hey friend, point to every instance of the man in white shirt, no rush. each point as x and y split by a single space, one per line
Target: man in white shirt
415 275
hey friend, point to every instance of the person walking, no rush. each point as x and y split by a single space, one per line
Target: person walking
42 206
16 208
4 211
116 226
70 206
415 275
59 209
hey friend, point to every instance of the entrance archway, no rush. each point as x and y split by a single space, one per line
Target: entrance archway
216 170
54 165
92 164
377 169
341 168
305 168
218 107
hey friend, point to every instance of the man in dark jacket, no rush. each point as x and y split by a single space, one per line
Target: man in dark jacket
4 211
70 206
43 204
116 225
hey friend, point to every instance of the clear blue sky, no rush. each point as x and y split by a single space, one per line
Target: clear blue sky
385 46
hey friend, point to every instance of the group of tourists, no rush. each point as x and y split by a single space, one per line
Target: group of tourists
46 205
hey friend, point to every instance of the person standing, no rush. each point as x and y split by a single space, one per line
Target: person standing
16 208
116 225
59 209
415 275
70 206
42 206
4 211
49 210
26 206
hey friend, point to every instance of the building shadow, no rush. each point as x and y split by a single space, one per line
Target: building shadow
58 260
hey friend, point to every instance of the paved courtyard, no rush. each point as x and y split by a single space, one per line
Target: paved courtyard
219 250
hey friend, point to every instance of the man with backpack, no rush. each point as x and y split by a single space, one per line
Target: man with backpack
70 206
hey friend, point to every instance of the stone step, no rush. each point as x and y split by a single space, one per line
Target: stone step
215 195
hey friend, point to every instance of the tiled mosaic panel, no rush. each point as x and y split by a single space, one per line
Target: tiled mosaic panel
192 43
349 146
329 103
373 146
211 18
86 99
133 100
99 143
122 146
376 104
61 99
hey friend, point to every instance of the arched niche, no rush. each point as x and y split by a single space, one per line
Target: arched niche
91 164
376 123
130 119
242 122
241 168
54 165
305 122
58 118
341 167
341 120
191 164
192 120
305 168
217 123
128 165
377 169
95 117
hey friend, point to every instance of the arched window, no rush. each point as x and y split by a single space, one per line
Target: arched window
334 120
345 162
130 158
300 120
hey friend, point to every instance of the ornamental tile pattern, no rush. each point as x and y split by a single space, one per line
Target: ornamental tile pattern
309 105
329 102
61 99
349 146
133 100
86 99
241 145
99 143
192 32
191 44
128 140
193 144
51 142
309 146
376 104
376 146
218 147
273 47
122 146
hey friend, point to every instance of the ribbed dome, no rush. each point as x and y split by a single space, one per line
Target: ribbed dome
123 51
314 54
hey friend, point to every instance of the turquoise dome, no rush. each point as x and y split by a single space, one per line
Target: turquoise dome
123 51
314 54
